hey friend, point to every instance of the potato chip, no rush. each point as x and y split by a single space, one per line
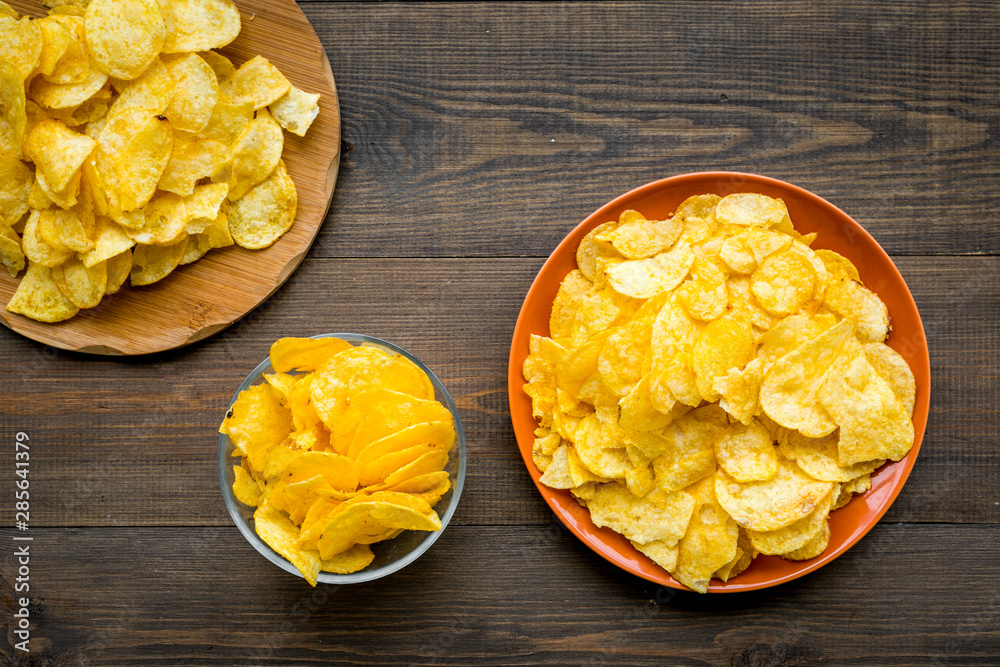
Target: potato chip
199 25
709 542
656 517
296 110
118 268
660 553
683 453
774 503
82 285
739 391
644 278
21 45
793 536
228 121
12 110
698 215
256 81
160 222
788 391
256 423
750 209
819 458
152 91
15 186
892 367
196 92
38 297
109 241
190 161
724 344
141 162
838 266
304 354
245 488
265 212
151 263
746 454
36 248
784 282
814 547
254 157
63 96
704 296
124 38
282 535
635 237
58 153
221 65
873 424
11 254
848 298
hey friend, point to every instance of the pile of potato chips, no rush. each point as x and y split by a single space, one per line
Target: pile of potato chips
342 447
128 147
713 387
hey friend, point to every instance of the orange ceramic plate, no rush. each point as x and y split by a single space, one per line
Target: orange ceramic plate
836 231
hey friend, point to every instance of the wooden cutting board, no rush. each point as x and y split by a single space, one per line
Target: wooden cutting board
200 299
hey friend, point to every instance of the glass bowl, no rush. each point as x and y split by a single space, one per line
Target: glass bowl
390 555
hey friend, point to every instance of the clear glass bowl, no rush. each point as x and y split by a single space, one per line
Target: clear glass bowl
390 555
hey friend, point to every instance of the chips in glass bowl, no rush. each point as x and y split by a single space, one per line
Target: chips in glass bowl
341 457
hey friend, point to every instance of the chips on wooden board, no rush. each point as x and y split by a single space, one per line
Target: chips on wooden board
712 387
366 465
114 118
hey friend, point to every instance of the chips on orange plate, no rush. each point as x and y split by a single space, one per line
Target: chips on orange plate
367 462
712 387
128 117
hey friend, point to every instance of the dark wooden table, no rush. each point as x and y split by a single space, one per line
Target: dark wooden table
476 136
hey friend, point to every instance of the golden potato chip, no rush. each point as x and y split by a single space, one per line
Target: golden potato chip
698 215
56 39
245 488
141 162
151 263
704 296
199 25
684 453
377 470
228 122
710 541
265 212
724 344
254 157
12 110
221 65
440 434
257 423
783 283
637 412
594 255
124 38
304 354
63 96
87 111
788 391
739 391
750 209
152 91
68 229
787 335
658 516
21 45
850 299
377 411
58 153
256 81
793 536
354 559
838 266
635 237
159 222
745 452
372 517
190 161
873 424
819 458
118 268
10 251
217 231
745 553
544 448
892 368
38 297
15 186
296 110
644 278
774 503
109 241
8 11
82 285
814 547
282 535
196 92
601 448
660 553
36 248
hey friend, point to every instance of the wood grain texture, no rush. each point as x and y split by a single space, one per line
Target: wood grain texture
200 299
526 117
502 596
446 206
139 448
